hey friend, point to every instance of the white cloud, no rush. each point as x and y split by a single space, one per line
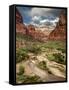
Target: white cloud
43 16
36 18
44 21
33 23
39 11
56 20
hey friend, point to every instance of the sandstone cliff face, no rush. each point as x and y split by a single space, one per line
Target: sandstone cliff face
30 30
20 27
18 17
36 34
60 31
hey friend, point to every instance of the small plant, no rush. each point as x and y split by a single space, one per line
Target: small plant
21 54
34 49
50 57
62 49
42 65
59 58
32 79
28 79
21 70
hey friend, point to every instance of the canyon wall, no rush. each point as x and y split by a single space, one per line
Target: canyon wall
59 33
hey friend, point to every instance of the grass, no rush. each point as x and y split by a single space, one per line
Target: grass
21 55
57 57
30 42
24 37
34 49
54 44
37 47
50 57
21 70
28 79
63 50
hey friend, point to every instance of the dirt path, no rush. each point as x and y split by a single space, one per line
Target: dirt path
44 75
39 72
57 70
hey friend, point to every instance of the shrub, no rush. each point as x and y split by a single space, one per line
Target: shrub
59 58
28 79
62 49
21 78
42 65
34 49
32 79
21 70
21 54
50 57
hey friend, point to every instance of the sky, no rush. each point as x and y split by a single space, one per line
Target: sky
39 16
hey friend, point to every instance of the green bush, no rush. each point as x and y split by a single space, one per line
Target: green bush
59 58
54 44
62 49
32 79
28 79
50 57
21 70
34 49
42 65
21 54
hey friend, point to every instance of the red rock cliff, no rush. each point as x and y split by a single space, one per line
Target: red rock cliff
60 31
20 27
18 17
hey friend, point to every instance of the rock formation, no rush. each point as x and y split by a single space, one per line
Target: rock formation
36 34
60 31
30 30
20 27
18 17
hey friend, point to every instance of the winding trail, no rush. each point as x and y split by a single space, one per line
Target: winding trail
39 72
44 75
31 68
56 68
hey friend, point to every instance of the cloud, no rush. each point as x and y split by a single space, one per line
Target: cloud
40 16
39 21
56 20
44 21
36 18
39 11
35 24
44 16
44 12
